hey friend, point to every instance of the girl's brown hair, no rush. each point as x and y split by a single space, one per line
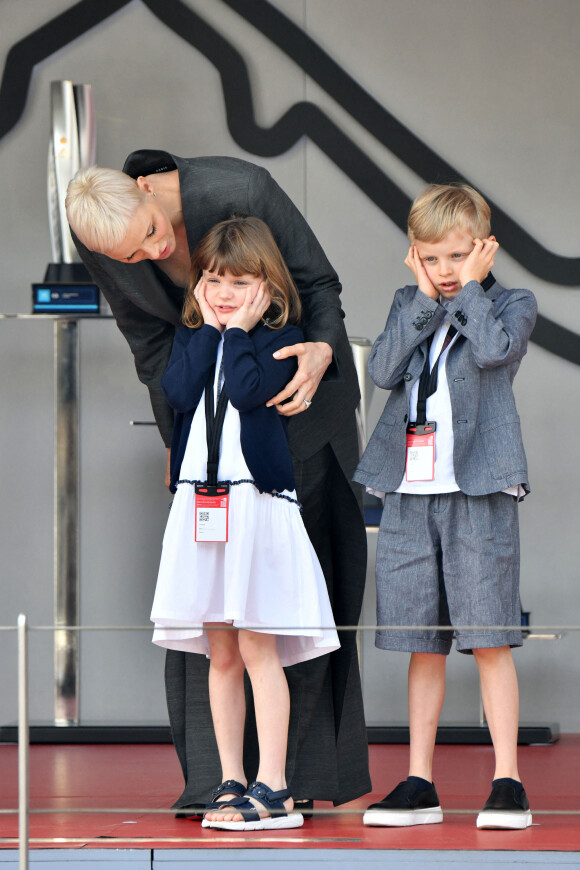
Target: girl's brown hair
244 245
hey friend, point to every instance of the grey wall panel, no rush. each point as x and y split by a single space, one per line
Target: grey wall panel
486 85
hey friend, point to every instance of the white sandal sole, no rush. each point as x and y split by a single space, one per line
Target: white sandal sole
269 823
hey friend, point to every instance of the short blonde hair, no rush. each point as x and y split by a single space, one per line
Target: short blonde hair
445 208
100 204
244 245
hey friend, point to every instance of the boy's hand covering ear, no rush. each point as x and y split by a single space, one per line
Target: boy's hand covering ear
414 263
480 261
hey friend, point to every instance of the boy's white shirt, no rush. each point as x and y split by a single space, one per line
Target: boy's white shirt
439 409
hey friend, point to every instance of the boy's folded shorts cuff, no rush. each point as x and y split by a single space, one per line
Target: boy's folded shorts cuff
403 642
469 641
465 643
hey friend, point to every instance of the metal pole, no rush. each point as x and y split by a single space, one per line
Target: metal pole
361 348
66 522
23 740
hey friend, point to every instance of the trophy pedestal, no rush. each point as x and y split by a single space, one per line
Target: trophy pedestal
67 273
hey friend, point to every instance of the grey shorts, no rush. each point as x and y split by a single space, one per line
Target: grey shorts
448 559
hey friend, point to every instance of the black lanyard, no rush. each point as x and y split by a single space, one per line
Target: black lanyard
214 426
428 380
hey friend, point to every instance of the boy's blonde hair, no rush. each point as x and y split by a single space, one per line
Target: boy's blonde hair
244 245
100 205
445 208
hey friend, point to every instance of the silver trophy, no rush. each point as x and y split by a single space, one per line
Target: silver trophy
72 146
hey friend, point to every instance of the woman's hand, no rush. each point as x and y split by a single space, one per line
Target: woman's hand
207 312
314 357
168 469
480 261
252 309
414 263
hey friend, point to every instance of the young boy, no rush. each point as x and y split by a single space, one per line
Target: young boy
448 453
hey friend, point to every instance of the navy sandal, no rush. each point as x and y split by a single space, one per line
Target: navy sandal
230 786
272 801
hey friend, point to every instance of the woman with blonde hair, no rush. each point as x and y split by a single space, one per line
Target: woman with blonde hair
136 231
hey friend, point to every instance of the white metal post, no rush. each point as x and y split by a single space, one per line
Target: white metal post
23 740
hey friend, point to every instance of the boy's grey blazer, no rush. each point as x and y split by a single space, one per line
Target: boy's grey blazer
494 327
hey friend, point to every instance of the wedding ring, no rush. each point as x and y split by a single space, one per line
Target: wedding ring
307 403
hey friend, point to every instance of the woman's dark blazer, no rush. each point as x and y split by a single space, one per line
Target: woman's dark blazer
327 755
147 308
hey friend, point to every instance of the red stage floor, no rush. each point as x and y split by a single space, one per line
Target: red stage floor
140 780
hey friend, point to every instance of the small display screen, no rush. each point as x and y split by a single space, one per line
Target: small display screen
65 298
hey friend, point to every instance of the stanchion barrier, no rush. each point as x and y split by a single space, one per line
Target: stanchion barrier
23 743
540 632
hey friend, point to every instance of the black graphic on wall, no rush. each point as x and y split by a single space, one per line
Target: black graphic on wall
302 119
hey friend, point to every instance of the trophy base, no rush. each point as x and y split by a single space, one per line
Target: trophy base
67 273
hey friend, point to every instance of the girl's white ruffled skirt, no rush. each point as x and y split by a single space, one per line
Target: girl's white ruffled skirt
265 578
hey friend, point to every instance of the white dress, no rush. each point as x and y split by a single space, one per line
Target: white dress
265 578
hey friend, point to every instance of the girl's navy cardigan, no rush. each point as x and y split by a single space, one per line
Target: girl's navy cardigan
252 376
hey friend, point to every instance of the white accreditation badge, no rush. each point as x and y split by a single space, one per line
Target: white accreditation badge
420 463
211 513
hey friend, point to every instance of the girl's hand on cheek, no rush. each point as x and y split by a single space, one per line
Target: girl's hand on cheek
207 312
415 264
253 308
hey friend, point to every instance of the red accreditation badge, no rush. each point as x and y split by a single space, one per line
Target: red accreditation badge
211 512
420 451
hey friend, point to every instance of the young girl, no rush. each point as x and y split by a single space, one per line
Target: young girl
251 595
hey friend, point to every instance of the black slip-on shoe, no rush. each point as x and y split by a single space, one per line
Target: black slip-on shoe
507 807
405 806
